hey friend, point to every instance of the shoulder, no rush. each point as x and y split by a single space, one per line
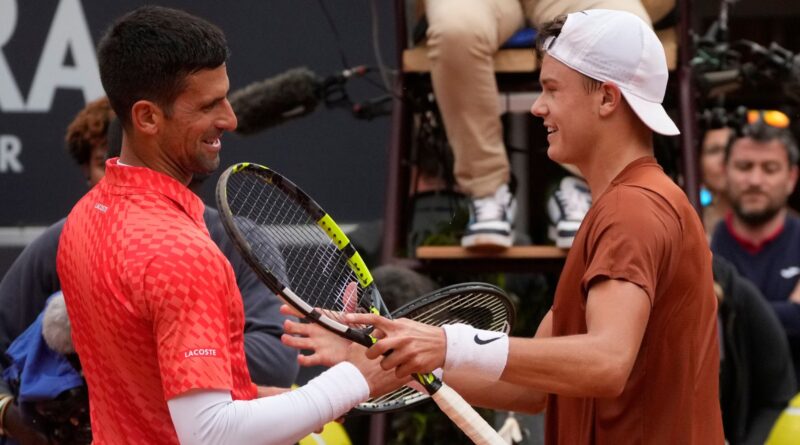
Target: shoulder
632 205
47 240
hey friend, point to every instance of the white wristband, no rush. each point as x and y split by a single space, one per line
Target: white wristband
483 353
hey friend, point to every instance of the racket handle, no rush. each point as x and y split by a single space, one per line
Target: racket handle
465 417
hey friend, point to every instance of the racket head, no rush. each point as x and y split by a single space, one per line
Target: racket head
481 305
296 248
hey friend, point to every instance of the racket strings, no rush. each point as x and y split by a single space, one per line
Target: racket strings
288 241
478 309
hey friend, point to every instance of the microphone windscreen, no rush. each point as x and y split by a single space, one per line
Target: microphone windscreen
56 328
272 101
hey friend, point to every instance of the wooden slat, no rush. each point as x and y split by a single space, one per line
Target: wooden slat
523 60
514 252
518 60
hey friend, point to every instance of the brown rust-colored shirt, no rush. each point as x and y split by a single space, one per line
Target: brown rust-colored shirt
643 230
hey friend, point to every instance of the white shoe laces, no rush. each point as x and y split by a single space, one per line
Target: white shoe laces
574 201
492 207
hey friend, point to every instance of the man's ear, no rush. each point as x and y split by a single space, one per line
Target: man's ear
146 117
610 98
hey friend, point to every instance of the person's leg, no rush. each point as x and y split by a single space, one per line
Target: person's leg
542 11
463 36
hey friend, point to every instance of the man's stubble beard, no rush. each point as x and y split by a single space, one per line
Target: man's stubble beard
755 219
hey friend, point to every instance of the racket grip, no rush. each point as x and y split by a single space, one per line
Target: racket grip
465 417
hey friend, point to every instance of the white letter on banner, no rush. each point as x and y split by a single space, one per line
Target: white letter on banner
10 149
69 32
10 97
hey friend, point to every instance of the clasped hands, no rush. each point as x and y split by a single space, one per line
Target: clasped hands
404 347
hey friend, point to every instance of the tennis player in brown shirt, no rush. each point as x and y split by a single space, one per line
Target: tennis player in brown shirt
628 354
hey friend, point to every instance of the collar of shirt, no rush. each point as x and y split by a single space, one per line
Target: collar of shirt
751 247
623 175
138 180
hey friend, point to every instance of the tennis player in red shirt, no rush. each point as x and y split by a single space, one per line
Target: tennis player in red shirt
157 318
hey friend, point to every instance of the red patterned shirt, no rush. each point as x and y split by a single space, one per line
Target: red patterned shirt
154 305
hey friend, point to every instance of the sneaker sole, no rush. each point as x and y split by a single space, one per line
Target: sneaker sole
486 242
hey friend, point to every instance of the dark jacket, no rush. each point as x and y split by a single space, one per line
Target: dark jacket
756 372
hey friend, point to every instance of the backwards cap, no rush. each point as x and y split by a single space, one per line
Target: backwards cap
618 47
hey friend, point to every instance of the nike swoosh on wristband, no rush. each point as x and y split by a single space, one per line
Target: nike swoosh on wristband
481 341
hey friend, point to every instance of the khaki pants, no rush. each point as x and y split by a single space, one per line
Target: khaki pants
463 35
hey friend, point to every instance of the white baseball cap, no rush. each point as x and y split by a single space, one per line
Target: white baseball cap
618 47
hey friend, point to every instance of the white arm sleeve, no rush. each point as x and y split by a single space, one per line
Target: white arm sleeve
212 417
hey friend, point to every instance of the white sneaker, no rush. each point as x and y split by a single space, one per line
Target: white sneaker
566 208
490 221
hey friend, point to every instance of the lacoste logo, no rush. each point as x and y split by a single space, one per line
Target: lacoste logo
481 341
790 272
200 353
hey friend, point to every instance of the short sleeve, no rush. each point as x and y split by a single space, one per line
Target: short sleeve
188 292
631 238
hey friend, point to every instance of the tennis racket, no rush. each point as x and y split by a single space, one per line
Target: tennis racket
478 304
301 254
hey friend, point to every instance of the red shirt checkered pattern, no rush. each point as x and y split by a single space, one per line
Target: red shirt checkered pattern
154 305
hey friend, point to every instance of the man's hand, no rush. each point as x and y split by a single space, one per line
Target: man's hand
327 348
412 347
381 381
19 429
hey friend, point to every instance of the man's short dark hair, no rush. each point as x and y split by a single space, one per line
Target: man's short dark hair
547 30
553 29
760 131
147 54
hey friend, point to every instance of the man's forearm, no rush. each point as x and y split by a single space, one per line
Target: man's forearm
211 417
576 365
496 395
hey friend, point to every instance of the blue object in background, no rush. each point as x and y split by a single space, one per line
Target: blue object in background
42 374
705 197
524 38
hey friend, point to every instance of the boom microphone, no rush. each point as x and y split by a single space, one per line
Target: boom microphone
275 100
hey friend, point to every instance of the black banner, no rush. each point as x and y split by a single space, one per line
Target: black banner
48 71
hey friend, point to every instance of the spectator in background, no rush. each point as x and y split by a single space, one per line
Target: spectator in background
760 237
462 37
87 139
712 168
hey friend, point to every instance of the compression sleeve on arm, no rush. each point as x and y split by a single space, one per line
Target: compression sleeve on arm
212 417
